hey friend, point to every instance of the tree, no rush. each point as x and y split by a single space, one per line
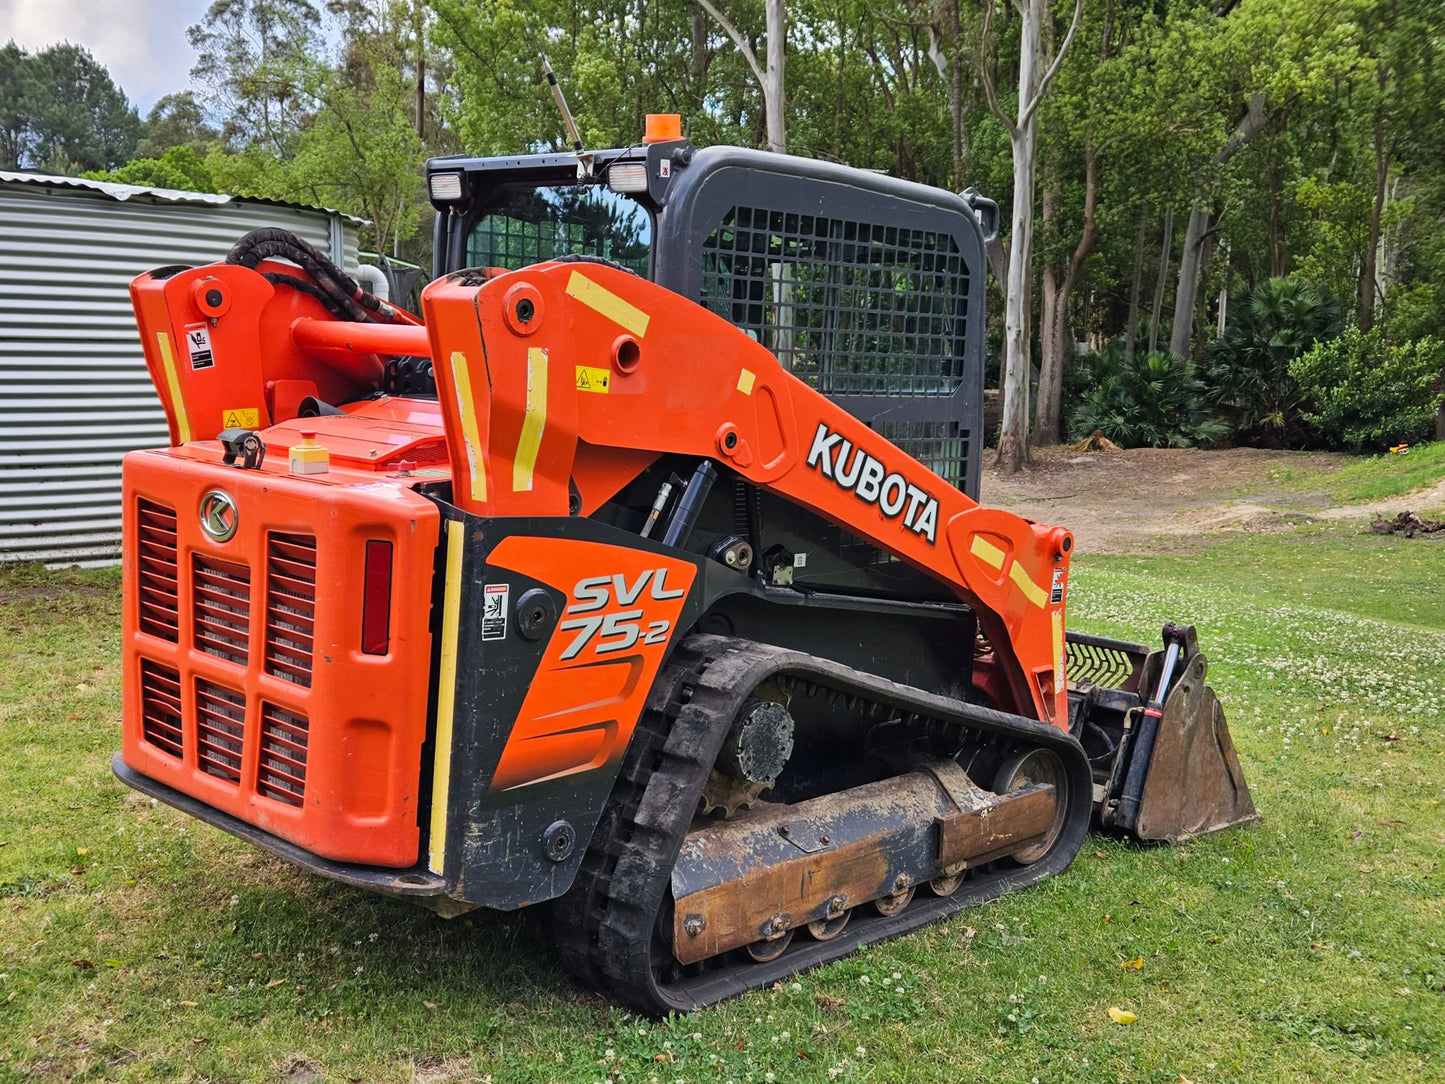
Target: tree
16 136
770 80
179 168
62 112
176 120
1399 37
1034 85
252 60
1251 64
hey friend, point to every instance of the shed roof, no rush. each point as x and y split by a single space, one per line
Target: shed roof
124 192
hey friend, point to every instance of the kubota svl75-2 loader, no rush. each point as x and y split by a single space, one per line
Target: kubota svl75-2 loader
647 576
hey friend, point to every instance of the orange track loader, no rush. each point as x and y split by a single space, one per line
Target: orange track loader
646 575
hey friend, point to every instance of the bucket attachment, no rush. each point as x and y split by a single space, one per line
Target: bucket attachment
1163 762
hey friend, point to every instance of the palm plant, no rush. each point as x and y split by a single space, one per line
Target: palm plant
1248 367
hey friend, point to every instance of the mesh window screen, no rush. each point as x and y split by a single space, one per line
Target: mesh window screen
536 225
940 445
853 308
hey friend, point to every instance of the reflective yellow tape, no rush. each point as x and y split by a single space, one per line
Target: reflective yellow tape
1032 591
173 384
987 552
1058 621
745 381
441 777
535 420
602 300
471 432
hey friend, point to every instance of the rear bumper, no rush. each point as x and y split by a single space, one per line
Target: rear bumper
414 884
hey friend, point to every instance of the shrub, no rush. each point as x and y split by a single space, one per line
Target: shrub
1155 401
1249 364
1363 392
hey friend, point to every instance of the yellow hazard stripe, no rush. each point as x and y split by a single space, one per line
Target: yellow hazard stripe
173 384
1058 622
608 304
441 777
987 552
471 434
1032 591
745 381
534 421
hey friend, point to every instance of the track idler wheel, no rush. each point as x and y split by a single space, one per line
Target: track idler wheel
1026 769
945 886
825 929
767 951
894 903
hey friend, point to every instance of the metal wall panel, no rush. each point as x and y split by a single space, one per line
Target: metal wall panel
74 392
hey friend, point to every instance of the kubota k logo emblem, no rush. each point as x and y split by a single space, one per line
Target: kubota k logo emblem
219 517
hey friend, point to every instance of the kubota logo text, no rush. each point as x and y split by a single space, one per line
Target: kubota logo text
619 629
852 468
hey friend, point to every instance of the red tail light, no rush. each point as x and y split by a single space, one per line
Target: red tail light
376 611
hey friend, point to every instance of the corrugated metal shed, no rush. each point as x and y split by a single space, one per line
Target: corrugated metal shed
74 393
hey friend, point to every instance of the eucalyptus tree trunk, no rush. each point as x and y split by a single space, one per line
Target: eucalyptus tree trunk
1013 441
1250 125
1136 282
1057 291
1166 247
773 77
770 79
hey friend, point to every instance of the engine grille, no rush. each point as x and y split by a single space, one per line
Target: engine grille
222 608
161 707
290 606
156 570
282 774
220 729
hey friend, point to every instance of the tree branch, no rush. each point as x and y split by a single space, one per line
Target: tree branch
985 74
738 40
1026 114
935 54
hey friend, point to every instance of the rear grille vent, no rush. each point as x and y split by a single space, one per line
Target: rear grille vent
290 606
160 707
223 608
282 774
156 569
220 730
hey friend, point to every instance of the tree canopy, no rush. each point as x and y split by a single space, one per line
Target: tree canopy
1187 153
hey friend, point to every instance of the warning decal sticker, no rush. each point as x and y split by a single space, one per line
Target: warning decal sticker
240 418
198 345
593 380
494 611
1057 594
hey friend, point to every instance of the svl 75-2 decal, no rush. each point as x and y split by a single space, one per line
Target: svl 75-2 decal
616 630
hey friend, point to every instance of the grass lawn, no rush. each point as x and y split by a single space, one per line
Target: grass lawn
1375 478
136 944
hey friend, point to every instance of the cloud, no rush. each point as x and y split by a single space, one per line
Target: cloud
142 42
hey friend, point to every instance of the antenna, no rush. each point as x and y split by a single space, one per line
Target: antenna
561 101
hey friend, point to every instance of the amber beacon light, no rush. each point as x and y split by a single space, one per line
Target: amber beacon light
663 126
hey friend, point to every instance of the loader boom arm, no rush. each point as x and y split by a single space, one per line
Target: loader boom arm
578 374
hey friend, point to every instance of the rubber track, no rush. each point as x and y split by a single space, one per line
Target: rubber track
605 925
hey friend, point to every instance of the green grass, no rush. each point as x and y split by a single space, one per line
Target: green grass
1375 478
136 944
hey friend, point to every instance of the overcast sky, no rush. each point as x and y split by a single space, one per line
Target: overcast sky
142 42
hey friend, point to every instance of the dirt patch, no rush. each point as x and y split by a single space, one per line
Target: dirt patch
298 1069
1144 500
432 1070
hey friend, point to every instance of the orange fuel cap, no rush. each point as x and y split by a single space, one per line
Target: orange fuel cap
663 126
